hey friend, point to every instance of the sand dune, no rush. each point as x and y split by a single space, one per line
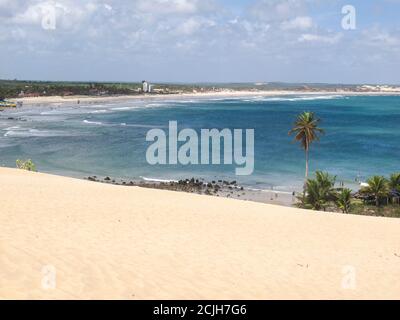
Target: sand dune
105 241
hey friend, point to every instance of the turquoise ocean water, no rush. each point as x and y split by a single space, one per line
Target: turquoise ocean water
362 137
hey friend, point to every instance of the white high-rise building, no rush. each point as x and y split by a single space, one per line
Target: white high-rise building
145 86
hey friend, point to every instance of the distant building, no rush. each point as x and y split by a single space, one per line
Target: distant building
145 86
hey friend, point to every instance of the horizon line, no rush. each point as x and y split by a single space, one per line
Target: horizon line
257 83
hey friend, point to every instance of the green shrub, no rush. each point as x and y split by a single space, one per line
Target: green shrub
26 165
343 200
389 211
394 181
319 192
378 187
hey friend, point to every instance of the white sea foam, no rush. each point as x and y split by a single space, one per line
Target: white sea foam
157 180
143 125
269 190
142 106
64 111
28 132
93 122
124 108
293 99
12 128
222 99
47 113
155 104
318 98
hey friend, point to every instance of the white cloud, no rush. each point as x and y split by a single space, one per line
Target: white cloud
328 39
255 28
193 25
33 14
278 10
381 38
173 6
298 23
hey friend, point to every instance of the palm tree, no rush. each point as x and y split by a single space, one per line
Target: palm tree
306 131
343 200
394 181
319 192
326 182
313 197
378 187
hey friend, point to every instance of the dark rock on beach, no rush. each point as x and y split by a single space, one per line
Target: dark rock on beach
219 188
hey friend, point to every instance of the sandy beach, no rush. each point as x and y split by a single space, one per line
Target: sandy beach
99 241
199 95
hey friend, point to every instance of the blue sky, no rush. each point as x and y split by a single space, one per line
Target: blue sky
200 40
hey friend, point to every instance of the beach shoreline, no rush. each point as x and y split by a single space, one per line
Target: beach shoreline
45 100
212 188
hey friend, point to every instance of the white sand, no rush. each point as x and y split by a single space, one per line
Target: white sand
205 95
108 241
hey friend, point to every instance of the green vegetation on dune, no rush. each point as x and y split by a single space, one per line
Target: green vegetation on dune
380 196
26 165
15 88
376 199
26 88
343 200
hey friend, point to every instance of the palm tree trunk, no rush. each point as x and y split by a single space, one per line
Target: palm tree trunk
306 164
306 175
377 201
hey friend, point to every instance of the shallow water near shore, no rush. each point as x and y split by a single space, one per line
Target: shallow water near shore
362 137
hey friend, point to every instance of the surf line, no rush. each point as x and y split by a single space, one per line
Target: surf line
205 150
